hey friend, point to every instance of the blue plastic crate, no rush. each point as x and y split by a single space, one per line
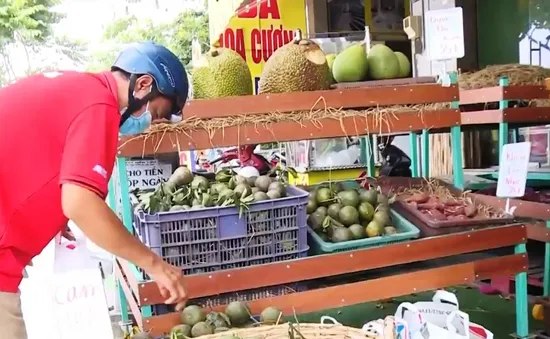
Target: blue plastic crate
405 231
216 238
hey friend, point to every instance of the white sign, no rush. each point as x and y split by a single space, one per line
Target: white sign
79 306
512 173
144 174
444 34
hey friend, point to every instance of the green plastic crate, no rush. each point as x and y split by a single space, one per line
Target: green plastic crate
406 231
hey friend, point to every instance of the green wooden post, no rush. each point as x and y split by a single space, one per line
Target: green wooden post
413 139
503 126
367 154
425 153
546 283
456 144
522 312
127 219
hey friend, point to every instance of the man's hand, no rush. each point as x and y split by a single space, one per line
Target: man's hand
170 282
68 234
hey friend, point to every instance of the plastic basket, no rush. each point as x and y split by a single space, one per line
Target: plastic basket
405 231
216 238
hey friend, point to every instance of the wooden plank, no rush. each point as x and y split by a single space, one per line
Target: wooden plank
480 95
286 131
132 280
490 116
525 92
388 82
526 114
130 299
306 101
538 231
365 291
202 285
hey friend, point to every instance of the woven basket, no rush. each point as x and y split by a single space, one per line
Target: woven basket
285 331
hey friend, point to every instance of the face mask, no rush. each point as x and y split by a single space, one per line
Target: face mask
136 125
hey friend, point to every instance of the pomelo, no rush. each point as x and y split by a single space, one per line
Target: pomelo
404 65
382 63
351 64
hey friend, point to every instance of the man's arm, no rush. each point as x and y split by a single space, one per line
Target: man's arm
88 159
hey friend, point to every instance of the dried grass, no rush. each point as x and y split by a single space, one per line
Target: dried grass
517 75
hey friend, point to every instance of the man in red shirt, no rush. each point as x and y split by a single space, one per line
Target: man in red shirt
58 141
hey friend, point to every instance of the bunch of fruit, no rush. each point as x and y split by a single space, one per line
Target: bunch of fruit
353 64
195 322
185 191
339 215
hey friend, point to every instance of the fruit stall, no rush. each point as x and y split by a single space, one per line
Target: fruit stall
256 246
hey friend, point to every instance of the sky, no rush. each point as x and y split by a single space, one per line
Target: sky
85 20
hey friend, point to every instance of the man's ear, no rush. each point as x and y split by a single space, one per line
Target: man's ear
144 82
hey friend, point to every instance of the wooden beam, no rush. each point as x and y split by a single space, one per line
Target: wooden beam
369 290
130 298
279 273
286 131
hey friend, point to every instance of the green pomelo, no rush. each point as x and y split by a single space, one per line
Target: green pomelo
351 64
333 210
238 313
311 205
382 218
370 196
366 212
383 63
330 61
341 234
404 65
324 196
202 328
180 331
271 315
374 229
358 231
349 198
192 315
262 183
348 216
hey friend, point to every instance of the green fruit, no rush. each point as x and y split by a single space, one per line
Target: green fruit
311 206
389 230
382 218
251 181
348 215
270 316
341 234
277 186
323 210
373 229
192 315
202 328
349 198
243 190
351 64
273 194
238 313
383 63
358 231
366 211
255 189
404 65
295 67
369 196
221 73
142 335
218 187
263 182
180 332
168 187
181 176
324 196
333 210
260 196
200 183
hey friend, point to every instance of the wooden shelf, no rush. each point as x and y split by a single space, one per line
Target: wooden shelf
497 93
539 115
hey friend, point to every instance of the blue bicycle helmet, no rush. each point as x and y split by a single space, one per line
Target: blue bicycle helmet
162 65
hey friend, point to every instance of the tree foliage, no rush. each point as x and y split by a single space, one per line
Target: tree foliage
175 35
29 20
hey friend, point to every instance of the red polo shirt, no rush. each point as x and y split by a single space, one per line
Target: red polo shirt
55 128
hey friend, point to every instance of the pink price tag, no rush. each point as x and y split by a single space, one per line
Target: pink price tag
71 246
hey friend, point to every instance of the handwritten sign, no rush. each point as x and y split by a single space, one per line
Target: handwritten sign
444 34
145 174
512 173
79 306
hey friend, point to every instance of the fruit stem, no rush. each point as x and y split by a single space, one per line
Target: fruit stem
214 53
297 35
